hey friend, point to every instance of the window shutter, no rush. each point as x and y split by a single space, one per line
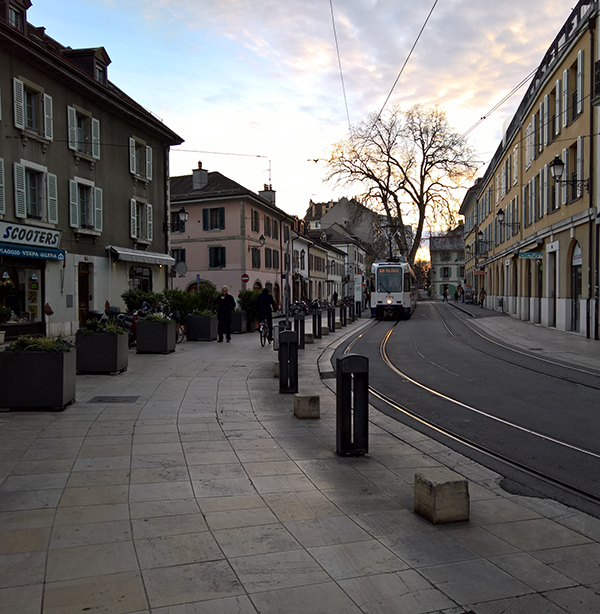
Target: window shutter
133 218
516 166
2 184
132 158
565 99
19 103
72 128
524 205
96 138
52 198
211 258
149 229
222 218
579 165
149 163
73 205
557 95
565 159
547 189
204 219
546 120
98 209
48 124
541 194
222 256
20 202
580 56
534 136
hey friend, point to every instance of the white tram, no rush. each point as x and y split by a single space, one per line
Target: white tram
393 290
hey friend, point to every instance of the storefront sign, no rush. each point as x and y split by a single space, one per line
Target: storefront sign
29 235
19 251
531 255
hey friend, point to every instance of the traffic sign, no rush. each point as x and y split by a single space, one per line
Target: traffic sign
245 278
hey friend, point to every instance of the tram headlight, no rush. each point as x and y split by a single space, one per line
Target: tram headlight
389 301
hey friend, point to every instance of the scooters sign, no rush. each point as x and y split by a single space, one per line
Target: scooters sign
29 235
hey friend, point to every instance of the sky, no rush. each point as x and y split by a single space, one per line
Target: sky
254 86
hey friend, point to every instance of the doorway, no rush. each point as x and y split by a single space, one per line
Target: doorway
83 291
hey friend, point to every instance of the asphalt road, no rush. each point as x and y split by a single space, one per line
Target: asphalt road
539 415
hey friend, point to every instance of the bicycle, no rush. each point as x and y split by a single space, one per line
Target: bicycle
179 327
263 330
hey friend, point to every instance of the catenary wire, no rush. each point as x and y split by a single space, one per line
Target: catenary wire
337 48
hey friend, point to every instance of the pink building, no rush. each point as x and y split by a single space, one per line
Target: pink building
233 237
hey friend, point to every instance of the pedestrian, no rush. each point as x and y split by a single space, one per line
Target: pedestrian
456 296
445 295
462 294
265 306
335 298
225 307
482 297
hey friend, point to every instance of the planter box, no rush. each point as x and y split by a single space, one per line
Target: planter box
155 337
251 326
201 328
238 322
37 379
102 353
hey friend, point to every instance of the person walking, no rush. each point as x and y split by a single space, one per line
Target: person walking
445 295
482 297
265 306
225 307
334 298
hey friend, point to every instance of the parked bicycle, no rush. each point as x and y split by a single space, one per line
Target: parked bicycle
263 330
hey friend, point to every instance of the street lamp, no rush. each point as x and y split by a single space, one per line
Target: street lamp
261 243
183 218
514 226
557 168
482 242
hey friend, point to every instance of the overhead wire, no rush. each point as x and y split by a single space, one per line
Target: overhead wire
337 48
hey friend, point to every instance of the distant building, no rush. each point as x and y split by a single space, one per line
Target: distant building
447 252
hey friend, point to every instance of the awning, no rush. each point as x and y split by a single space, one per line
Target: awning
28 251
137 255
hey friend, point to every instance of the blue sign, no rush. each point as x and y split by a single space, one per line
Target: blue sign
26 251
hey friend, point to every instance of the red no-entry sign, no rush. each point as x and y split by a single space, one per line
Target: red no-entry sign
245 278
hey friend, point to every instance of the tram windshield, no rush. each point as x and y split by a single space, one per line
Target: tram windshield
389 279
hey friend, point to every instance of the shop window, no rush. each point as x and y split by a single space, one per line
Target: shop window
21 292
140 278
140 159
213 218
83 132
141 220
216 257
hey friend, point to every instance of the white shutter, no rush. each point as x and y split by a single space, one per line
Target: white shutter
52 198
48 122
149 228
580 56
72 128
132 157
565 100
73 205
516 165
546 120
19 103
528 146
20 201
579 166
546 189
524 204
98 209
541 194
149 163
565 159
96 138
532 199
557 95
133 218
2 185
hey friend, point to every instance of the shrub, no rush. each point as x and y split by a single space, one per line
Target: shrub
248 303
30 343
157 317
97 326
134 299
5 313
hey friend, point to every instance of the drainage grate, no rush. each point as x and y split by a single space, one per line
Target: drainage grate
114 399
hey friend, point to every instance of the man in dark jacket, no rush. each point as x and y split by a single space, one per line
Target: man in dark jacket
265 305
225 307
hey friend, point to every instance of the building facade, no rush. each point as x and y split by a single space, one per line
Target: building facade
447 263
76 153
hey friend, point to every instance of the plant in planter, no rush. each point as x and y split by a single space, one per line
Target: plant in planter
5 315
155 334
101 348
247 300
201 326
238 321
38 372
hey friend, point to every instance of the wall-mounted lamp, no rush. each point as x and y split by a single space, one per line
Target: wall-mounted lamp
514 226
482 242
183 218
557 168
261 243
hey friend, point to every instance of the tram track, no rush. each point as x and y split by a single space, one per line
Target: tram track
494 457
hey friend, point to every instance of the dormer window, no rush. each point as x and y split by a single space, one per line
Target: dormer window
16 19
100 73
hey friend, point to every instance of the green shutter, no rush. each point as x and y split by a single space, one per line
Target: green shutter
222 256
222 218
204 219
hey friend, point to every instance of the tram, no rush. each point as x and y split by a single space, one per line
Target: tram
394 290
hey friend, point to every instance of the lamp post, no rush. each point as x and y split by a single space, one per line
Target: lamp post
183 218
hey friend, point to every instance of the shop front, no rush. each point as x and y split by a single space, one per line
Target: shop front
24 252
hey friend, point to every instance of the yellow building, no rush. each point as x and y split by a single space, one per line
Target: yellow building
530 240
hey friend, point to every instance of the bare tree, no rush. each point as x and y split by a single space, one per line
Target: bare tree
408 163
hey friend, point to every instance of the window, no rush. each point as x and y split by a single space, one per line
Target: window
100 73
36 193
33 109
179 254
256 258
141 220
267 226
140 278
275 229
213 218
255 221
268 258
85 205
16 19
216 257
572 94
84 132
286 233
176 224
140 159
276 259
445 271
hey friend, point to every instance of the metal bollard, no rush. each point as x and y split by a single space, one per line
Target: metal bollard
351 312
331 319
358 309
343 317
352 385
317 325
299 327
277 330
288 362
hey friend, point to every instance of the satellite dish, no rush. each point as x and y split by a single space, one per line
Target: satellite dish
181 268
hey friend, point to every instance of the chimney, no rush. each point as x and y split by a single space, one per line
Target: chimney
268 193
199 178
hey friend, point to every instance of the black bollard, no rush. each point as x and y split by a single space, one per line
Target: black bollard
352 385
288 362
317 325
331 319
358 309
351 312
299 326
343 316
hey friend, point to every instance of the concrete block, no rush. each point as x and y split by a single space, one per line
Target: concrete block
324 330
338 324
441 496
309 338
307 406
276 369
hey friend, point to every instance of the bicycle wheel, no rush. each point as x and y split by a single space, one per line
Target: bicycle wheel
264 331
179 333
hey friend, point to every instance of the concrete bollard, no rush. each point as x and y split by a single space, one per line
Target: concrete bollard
307 406
325 331
309 338
441 496
338 324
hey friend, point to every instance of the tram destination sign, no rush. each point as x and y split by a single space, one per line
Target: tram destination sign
531 255
33 236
